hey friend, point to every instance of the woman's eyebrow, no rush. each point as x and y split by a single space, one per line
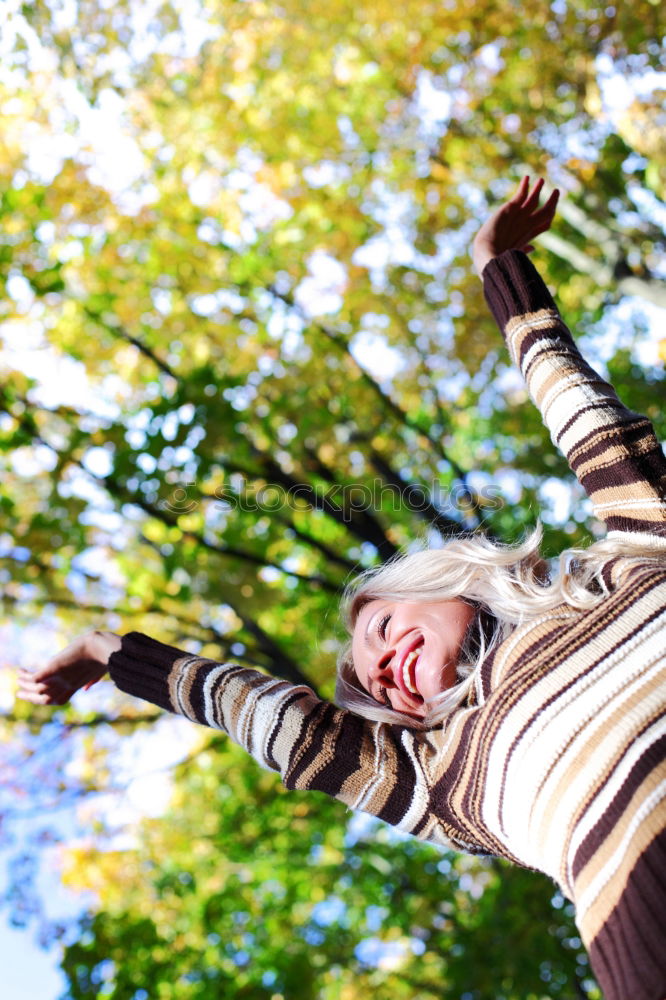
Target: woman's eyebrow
366 637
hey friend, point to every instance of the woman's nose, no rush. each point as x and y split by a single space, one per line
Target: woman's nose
383 670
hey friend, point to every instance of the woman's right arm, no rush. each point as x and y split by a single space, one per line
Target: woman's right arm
381 769
388 771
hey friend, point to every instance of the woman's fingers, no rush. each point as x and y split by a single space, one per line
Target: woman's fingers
528 200
520 194
44 696
28 681
80 665
525 198
35 699
522 213
34 691
539 219
515 224
549 206
532 199
29 675
542 220
43 691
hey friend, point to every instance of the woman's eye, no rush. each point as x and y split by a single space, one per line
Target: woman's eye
384 698
381 627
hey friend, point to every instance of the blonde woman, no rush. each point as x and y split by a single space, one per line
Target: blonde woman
485 707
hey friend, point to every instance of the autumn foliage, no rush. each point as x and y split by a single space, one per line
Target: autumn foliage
245 354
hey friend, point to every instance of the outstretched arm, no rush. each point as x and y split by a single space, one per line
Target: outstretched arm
613 451
388 771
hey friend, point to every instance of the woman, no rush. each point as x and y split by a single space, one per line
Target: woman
488 709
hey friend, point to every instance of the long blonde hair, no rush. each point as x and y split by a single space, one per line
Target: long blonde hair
508 585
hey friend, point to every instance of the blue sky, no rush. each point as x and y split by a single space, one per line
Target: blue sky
28 972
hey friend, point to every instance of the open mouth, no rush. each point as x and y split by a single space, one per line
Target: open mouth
409 669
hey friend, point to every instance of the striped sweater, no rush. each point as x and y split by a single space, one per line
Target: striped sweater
557 760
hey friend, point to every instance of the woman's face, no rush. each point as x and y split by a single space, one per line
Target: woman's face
405 652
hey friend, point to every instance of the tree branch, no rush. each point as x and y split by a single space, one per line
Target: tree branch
121 493
122 334
342 344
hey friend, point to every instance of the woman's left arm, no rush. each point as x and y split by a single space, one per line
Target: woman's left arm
613 451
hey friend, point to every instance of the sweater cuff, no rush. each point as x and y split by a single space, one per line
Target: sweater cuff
513 287
142 667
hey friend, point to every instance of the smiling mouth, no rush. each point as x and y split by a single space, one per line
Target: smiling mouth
409 670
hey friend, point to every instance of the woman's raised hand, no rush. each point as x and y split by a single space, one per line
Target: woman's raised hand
81 664
515 224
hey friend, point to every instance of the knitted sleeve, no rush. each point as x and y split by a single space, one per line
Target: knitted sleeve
388 771
613 452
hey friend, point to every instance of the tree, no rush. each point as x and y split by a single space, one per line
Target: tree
292 370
